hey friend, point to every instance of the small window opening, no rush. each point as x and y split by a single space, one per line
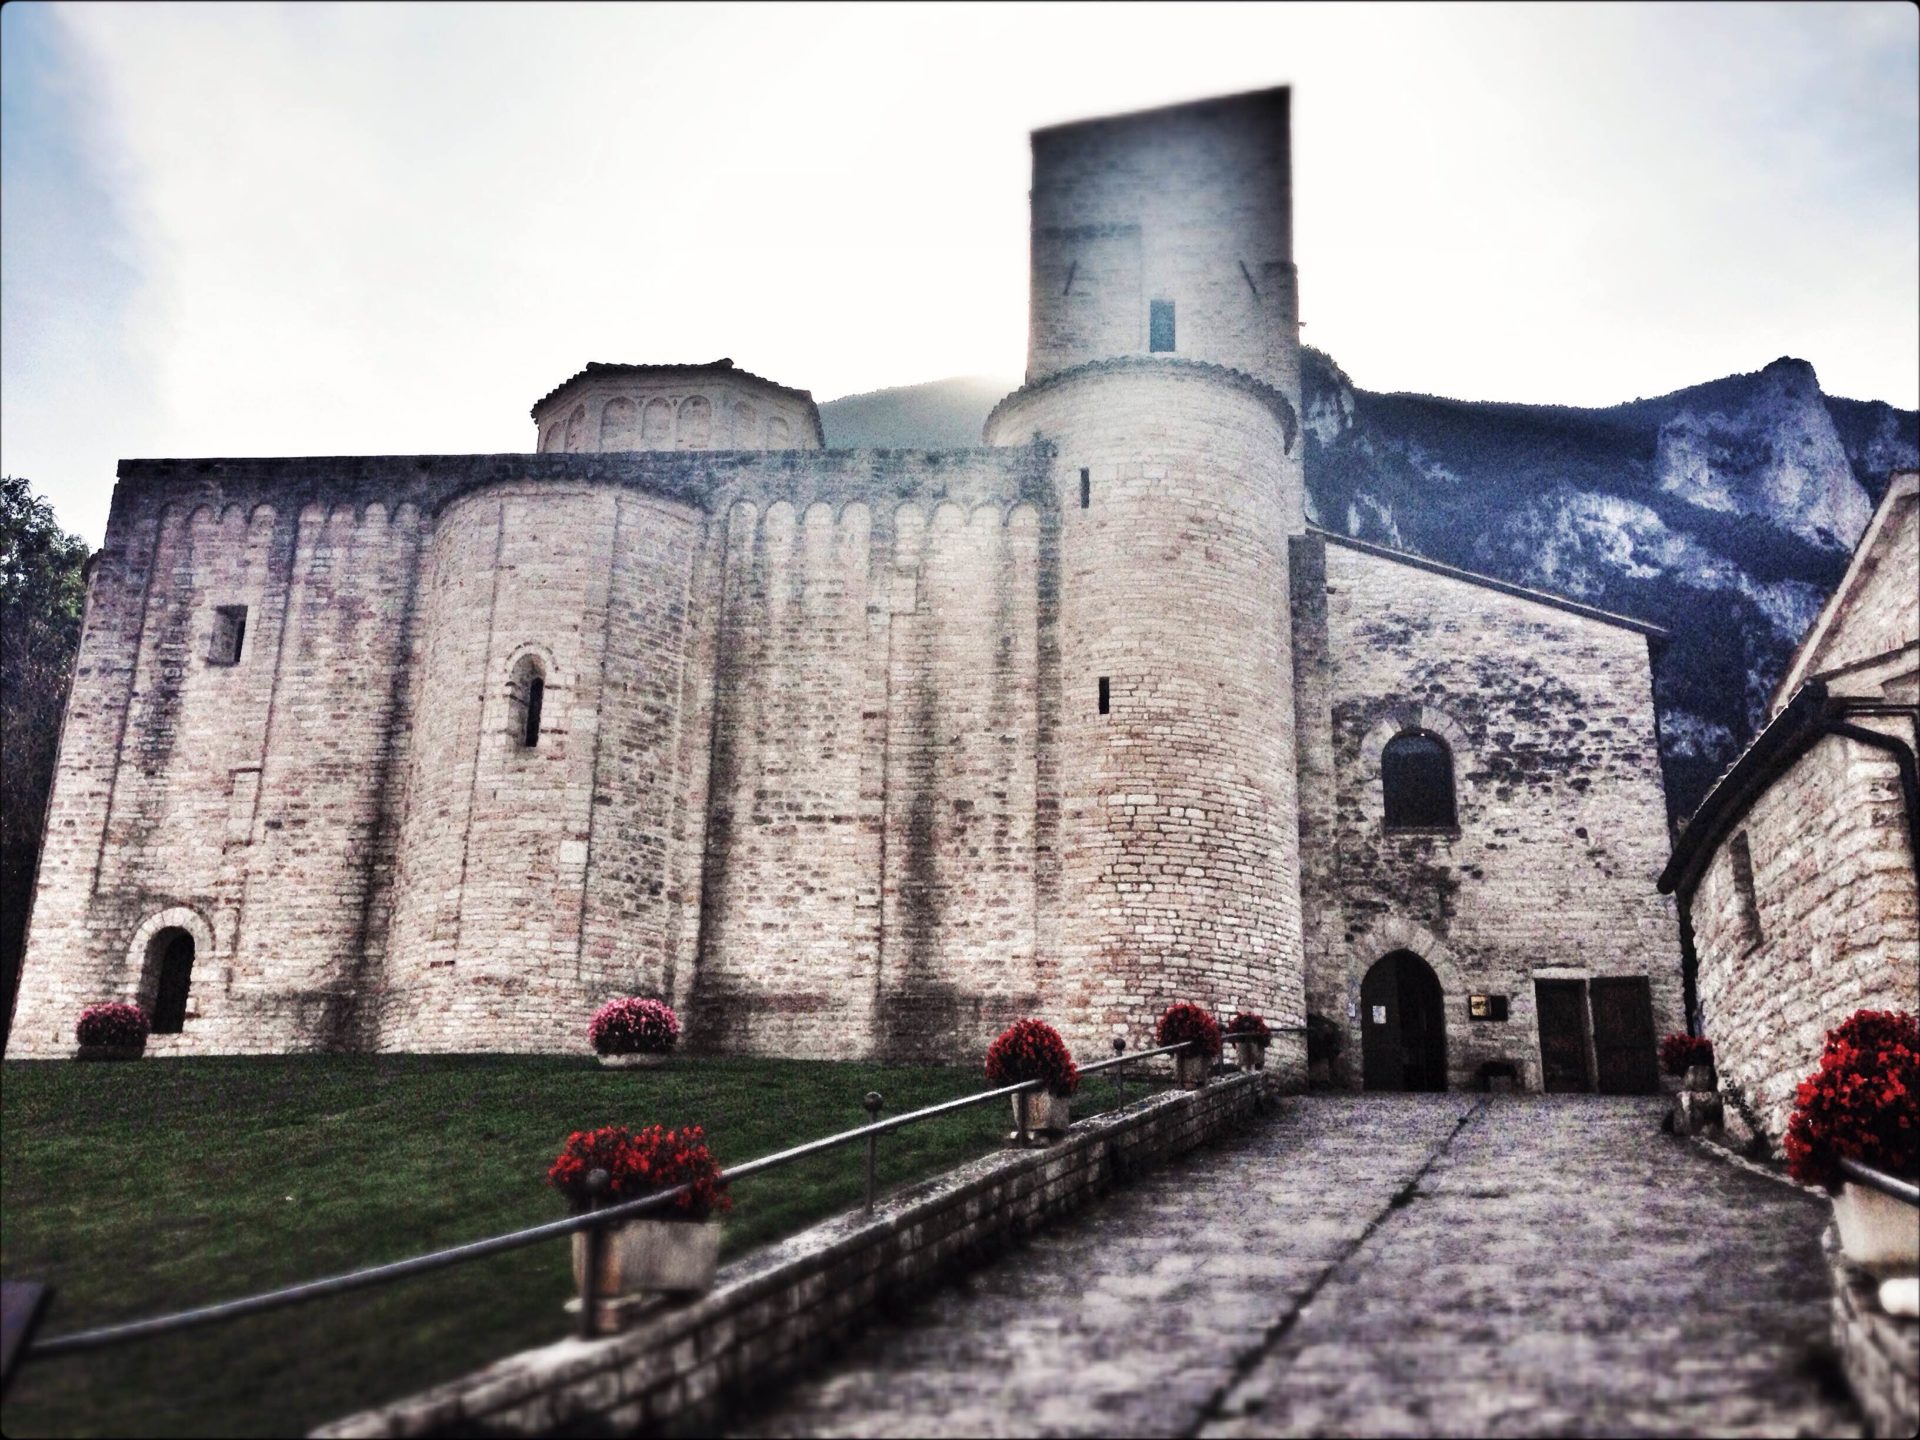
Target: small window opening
1086 488
526 698
1160 325
1106 697
1742 853
1416 774
229 635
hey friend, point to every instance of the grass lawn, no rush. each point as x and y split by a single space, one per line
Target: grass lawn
149 1187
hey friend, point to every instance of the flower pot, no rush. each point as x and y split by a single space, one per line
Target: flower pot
1047 1113
1877 1232
1252 1054
1701 1077
110 1052
636 1060
646 1256
1191 1071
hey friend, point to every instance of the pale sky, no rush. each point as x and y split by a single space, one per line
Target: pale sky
266 230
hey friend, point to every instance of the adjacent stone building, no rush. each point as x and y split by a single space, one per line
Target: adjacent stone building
853 753
1798 873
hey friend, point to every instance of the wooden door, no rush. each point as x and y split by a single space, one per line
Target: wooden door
1563 1034
1623 1048
1402 1026
173 983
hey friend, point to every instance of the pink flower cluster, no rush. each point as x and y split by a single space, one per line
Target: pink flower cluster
113 1024
1678 1053
1251 1024
634 1027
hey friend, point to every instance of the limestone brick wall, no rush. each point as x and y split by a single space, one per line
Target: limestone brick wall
1192 204
1562 818
1178 833
236 797
702 409
1838 922
872 858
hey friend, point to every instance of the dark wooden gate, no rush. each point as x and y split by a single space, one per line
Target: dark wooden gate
1403 1043
1623 1048
1563 1034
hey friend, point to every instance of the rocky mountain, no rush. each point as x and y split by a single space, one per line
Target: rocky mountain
1725 512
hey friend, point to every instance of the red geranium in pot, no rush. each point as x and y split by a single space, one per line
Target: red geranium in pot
1252 1037
1860 1105
1033 1050
1188 1024
672 1249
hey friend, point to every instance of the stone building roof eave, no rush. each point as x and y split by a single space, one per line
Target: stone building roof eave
1170 364
1812 713
723 367
1656 635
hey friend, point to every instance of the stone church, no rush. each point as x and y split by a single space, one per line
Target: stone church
867 752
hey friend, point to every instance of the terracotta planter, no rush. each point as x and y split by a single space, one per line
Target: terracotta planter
1252 1054
110 1052
1877 1232
647 1257
638 1060
1191 1071
1047 1113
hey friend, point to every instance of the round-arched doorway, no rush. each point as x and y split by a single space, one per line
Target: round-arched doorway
167 977
1403 1035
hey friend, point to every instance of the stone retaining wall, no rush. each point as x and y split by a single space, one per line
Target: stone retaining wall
1879 1353
781 1308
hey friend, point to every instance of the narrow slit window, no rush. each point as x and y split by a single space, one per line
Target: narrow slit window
1160 326
1742 853
1106 697
229 635
526 696
1086 488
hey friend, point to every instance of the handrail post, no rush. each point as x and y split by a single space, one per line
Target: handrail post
595 1247
872 1102
1120 1071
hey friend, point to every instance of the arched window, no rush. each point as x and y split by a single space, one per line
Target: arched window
1416 772
527 694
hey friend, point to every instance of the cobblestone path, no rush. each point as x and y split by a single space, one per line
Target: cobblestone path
1380 1265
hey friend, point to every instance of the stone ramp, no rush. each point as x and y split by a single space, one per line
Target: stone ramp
1380 1265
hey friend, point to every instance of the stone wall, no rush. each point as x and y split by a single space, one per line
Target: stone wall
1879 1353
1550 872
1179 855
681 1369
1832 926
1191 204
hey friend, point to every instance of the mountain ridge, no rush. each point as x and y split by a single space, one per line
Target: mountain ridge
1723 511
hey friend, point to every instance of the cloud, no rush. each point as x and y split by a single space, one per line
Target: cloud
341 229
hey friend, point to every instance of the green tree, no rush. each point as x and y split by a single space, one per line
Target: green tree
43 591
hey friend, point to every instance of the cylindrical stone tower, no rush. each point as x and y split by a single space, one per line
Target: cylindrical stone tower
1163 371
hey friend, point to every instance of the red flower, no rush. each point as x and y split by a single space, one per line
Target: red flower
634 1026
1252 1024
1186 1021
1858 1104
1032 1050
642 1163
1680 1052
112 1024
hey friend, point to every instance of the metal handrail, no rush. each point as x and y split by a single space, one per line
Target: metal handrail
1890 1185
101 1336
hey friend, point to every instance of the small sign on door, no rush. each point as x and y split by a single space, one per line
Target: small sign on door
1379 1014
